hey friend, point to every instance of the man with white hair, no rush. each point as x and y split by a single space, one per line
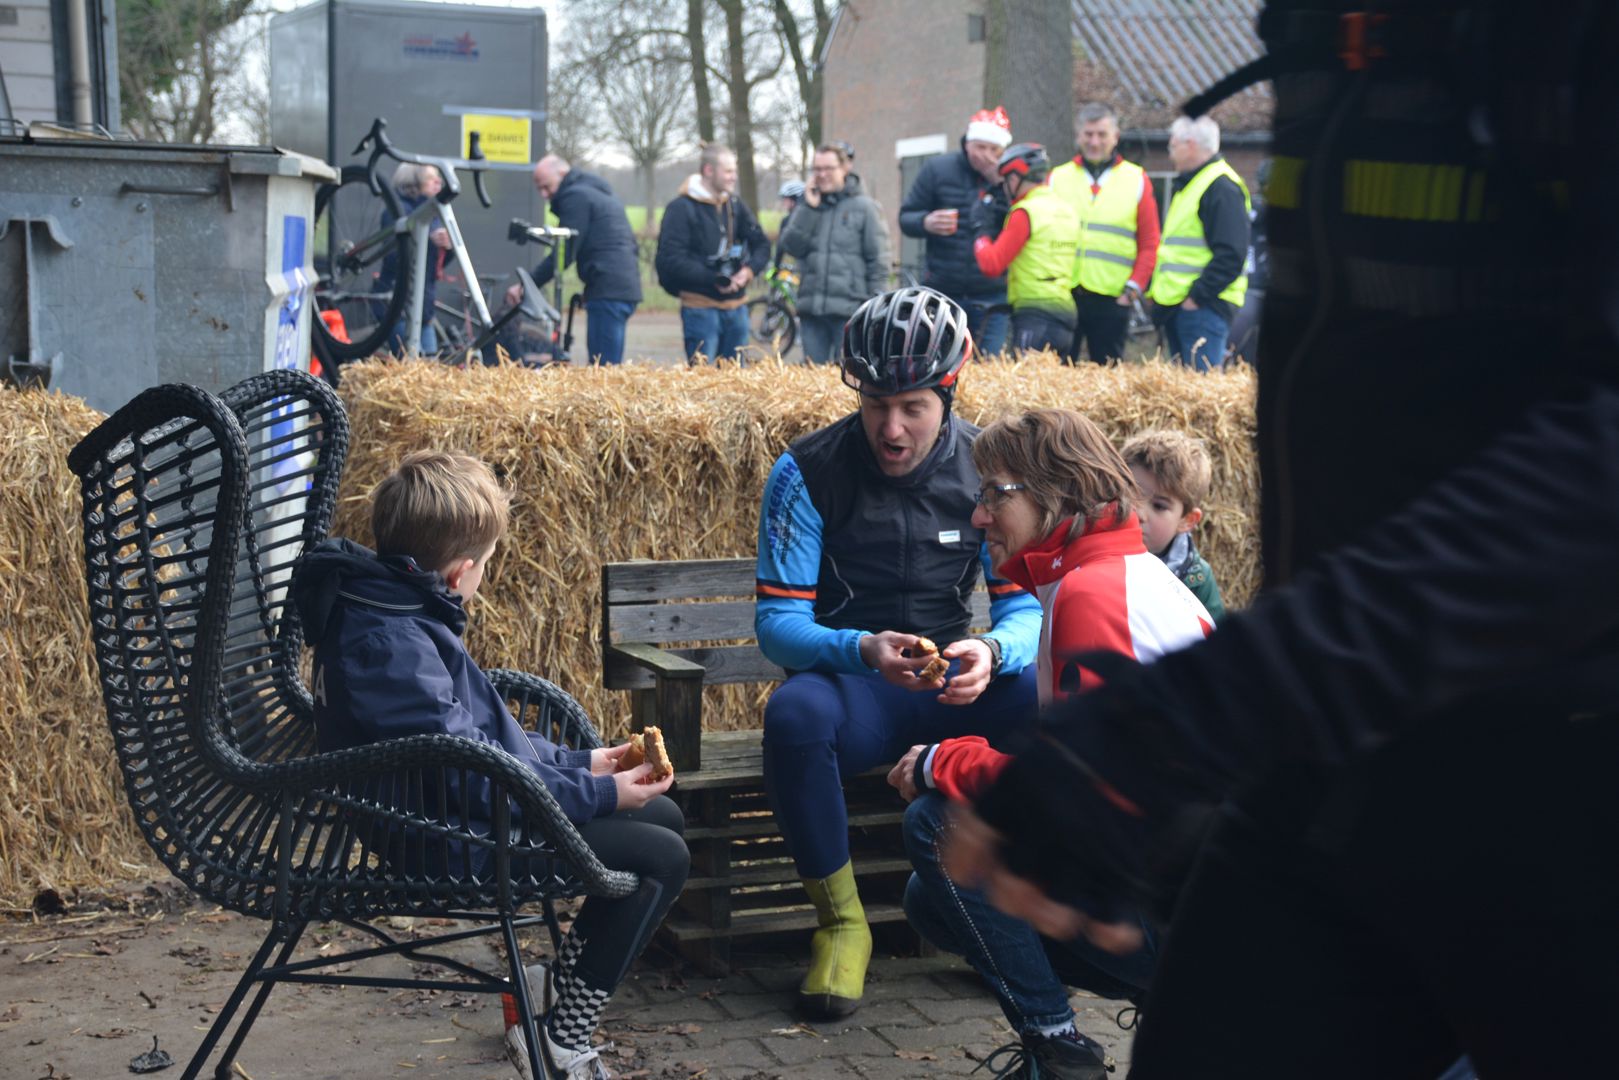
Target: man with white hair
1199 282
605 251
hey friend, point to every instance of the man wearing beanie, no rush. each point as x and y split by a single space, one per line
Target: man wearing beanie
938 209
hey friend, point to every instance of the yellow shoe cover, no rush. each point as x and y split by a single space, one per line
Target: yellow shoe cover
840 949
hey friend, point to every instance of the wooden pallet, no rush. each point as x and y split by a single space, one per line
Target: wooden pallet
743 882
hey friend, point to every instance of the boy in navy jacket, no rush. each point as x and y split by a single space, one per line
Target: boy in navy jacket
389 663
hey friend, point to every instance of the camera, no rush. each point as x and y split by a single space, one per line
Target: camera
726 263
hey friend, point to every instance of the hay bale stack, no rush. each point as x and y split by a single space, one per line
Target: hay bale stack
609 464
64 822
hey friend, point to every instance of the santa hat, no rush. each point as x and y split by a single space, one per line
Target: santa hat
991 126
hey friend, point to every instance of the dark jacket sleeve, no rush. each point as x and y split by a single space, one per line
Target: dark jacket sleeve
1225 226
752 236
919 202
679 267
573 214
798 234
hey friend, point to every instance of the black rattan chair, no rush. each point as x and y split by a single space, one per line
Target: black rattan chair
196 507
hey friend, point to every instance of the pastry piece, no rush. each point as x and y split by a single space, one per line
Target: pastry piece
647 746
936 667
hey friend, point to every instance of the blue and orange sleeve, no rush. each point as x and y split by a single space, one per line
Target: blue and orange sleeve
1014 618
786 580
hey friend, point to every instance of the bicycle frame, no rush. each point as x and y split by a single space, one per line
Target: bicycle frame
420 224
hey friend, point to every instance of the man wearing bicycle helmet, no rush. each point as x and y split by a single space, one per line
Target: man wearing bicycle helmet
868 555
1035 250
789 196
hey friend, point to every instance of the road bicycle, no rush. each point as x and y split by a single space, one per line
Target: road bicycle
371 258
773 317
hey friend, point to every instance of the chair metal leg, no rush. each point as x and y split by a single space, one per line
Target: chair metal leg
222 1070
231 1006
525 1007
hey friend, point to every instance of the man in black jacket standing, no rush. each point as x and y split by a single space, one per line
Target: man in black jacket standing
709 247
939 206
1387 788
605 249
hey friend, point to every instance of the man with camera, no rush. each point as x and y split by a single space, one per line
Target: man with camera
709 247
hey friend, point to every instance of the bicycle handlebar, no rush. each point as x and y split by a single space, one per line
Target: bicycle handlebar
381 147
521 232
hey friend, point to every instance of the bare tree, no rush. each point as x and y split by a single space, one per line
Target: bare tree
176 60
572 109
647 106
817 23
697 57
746 37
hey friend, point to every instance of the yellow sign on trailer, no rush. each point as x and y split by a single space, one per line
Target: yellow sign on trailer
505 139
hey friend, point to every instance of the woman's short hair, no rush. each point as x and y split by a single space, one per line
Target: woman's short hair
438 508
1065 462
407 179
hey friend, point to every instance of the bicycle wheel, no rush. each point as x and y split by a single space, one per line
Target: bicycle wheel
366 280
773 325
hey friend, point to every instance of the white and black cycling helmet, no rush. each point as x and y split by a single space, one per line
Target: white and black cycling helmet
913 338
791 189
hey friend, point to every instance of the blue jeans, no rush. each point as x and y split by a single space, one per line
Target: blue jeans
823 337
987 327
1197 338
822 728
1029 974
716 333
396 340
604 330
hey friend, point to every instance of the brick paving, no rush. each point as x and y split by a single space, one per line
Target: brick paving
80 996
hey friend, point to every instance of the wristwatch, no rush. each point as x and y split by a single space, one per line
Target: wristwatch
994 653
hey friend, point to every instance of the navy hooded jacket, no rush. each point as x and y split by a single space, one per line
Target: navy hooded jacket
606 250
389 662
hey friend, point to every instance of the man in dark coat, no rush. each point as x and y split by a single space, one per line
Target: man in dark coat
938 208
605 251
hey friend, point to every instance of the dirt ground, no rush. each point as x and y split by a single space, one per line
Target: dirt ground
84 992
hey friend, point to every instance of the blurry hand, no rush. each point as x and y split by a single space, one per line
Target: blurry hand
636 787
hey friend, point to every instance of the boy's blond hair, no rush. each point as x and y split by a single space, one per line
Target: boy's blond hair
1179 464
439 508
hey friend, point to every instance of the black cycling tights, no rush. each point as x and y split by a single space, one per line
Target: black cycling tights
647 842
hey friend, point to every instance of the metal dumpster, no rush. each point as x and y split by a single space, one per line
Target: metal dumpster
124 265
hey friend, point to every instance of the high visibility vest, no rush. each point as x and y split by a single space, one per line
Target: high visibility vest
1183 250
1038 277
1106 252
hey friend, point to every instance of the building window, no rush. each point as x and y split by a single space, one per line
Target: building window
975 28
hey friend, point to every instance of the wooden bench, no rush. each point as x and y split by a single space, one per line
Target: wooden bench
668 630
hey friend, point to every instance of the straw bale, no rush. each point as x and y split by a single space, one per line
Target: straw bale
605 464
64 821
610 464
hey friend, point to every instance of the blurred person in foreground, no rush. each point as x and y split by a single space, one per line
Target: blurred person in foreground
1380 801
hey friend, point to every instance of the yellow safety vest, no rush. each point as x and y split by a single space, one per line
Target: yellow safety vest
1038 277
1183 250
1106 252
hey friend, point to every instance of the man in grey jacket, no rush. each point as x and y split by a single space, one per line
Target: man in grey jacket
841 244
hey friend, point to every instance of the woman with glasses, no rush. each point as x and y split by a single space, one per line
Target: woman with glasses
1057 509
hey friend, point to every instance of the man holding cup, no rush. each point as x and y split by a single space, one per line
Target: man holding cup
942 196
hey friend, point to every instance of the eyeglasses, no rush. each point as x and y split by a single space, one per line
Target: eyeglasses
993 496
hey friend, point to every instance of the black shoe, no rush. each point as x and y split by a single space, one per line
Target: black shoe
1063 1057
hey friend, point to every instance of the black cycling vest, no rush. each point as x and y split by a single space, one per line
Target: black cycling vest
896 553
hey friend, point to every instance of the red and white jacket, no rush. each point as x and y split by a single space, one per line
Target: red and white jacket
1101 590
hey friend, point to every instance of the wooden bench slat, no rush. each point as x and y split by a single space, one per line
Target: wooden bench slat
721 664
726 620
769 922
766 826
635 582
741 877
